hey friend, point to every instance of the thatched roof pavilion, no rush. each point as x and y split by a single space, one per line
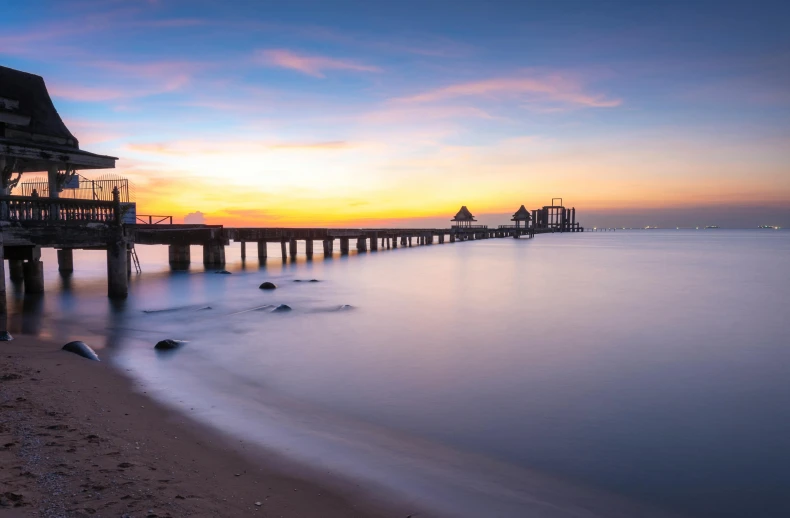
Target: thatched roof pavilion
522 214
33 137
464 218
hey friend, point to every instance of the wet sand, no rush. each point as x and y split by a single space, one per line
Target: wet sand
76 439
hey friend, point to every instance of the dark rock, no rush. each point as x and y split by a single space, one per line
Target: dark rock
268 286
282 307
223 272
169 344
82 349
5 336
345 307
314 280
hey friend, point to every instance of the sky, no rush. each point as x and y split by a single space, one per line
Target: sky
375 113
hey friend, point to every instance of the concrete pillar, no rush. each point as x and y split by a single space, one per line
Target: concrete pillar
395 242
410 245
308 248
362 244
282 249
262 251
573 219
344 246
328 245
374 242
128 262
34 276
179 256
243 250
16 270
292 248
117 278
213 254
452 238
66 260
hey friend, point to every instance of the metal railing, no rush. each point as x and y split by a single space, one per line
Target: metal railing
469 227
145 219
56 210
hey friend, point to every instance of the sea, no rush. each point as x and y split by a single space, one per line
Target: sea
628 373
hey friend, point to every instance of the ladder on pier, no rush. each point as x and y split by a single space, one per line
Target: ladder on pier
136 261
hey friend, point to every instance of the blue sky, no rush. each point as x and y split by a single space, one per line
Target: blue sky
368 112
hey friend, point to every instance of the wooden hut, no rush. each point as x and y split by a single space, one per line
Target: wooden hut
33 137
464 218
521 215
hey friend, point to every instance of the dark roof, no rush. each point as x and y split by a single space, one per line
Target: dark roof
521 214
464 215
34 102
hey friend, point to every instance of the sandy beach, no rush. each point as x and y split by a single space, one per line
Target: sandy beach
76 439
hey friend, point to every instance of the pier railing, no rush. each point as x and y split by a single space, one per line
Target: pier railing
469 227
146 219
58 210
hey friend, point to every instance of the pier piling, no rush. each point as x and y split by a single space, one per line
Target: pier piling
344 246
117 276
16 269
292 248
308 248
65 260
282 250
262 251
34 276
179 256
213 254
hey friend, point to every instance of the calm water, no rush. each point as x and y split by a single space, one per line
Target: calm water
492 378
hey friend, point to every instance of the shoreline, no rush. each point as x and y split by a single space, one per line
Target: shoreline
77 439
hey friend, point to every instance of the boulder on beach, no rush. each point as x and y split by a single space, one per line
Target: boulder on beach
168 344
81 349
268 286
223 272
345 307
282 307
5 336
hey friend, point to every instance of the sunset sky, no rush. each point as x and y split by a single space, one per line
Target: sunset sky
384 112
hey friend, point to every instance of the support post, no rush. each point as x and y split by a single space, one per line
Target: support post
292 248
410 245
128 262
282 250
395 242
34 276
308 248
16 270
262 251
243 250
213 254
66 260
374 242
362 244
3 300
117 278
452 237
343 246
179 256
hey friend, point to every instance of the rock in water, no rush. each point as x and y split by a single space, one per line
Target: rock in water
5 336
169 344
282 307
223 272
82 349
268 286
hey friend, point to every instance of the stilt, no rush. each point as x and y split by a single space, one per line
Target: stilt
308 248
362 244
34 276
66 260
213 254
395 242
16 270
343 246
117 278
3 300
292 248
243 250
262 251
128 262
179 256
374 242
282 249
410 242
452 238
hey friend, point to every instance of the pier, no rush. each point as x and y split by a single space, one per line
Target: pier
101 216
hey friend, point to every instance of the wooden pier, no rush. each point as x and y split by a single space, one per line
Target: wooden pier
33 138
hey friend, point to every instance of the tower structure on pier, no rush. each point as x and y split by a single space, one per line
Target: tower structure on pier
463 219
33 137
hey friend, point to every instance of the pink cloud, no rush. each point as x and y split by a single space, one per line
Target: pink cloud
310 65
551 88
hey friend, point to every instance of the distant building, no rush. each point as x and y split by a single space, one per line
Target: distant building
464 218
195 218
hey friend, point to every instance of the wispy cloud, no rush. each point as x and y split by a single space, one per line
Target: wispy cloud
182 148
311 65
549 88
